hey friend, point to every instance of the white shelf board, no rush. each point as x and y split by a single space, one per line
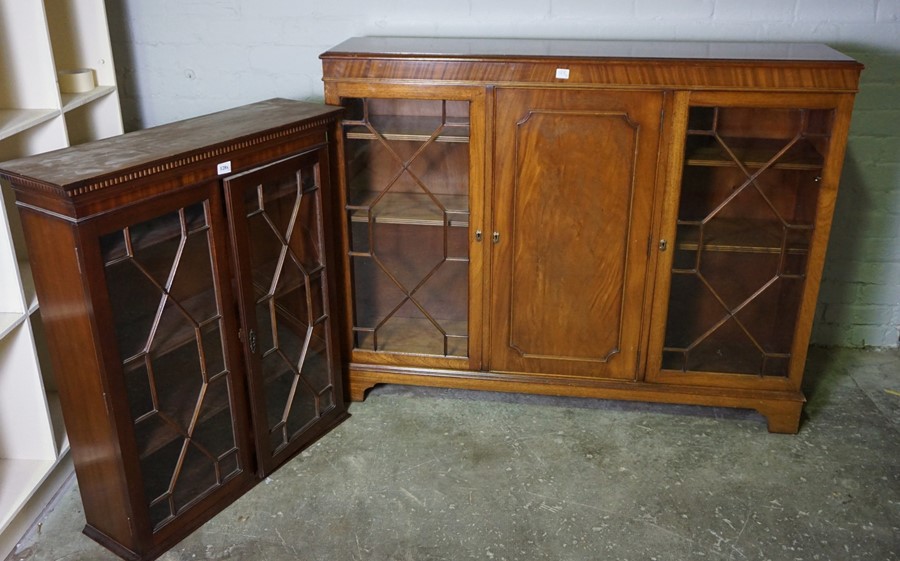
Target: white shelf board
76 100
14 121
9 321
16 519
19 480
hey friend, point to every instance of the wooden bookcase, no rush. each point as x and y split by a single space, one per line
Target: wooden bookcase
39 39
627 220
190 327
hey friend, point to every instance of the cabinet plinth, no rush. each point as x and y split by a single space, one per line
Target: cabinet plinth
630 220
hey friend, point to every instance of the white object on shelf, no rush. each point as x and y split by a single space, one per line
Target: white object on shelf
78 80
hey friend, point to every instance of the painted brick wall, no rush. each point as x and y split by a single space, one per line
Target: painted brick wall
180 58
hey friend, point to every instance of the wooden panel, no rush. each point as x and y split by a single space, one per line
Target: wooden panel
573 213
576 173
774 77
85 396
689 64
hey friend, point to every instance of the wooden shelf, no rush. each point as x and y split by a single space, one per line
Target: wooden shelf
742 361
415 336
159 439
156 477
416 209
76 100
407 128
14 121
263 281
735 236
113 244
174 330
755 153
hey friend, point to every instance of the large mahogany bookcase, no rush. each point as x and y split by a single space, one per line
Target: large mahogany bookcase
626 220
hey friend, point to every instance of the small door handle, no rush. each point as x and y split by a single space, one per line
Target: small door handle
478 235
496 237
663 245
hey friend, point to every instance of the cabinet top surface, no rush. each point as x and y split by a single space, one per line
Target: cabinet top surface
471 48
69 167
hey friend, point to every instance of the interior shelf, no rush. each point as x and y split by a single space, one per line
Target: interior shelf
20 478
742 360
174 330
409 208
262 280
14 121
154 441
415 336
737 235
409 128
76 100
755 153
144 238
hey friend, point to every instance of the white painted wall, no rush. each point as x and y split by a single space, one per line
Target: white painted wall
181 58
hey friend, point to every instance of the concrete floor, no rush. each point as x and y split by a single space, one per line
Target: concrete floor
424 474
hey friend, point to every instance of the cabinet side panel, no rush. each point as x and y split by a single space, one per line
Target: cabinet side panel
67 316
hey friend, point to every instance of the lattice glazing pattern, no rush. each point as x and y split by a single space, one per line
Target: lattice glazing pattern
747 212
409 225
165 303
289 279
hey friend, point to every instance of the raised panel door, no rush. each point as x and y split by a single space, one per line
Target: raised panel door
575 173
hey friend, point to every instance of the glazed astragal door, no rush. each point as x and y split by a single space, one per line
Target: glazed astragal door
575 173
407 213
751 182
295 384
175 347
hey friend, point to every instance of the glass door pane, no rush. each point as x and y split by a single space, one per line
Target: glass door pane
749 192
164 293
408 215
279 234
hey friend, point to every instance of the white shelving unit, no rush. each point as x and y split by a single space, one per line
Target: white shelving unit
39 39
